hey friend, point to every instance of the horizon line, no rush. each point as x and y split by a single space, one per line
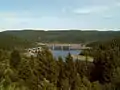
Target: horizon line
27 29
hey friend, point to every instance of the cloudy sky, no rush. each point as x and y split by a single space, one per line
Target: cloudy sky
60 14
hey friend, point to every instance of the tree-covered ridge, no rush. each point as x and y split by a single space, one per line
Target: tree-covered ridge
106 43
8 41
70 36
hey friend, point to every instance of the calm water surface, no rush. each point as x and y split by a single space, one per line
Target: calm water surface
63 54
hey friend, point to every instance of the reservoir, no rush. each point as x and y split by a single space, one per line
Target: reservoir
64 53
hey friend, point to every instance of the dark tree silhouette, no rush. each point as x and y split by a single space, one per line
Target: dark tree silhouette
15 59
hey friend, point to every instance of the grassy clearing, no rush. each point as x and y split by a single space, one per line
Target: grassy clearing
83 58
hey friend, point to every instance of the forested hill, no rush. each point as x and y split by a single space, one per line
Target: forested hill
9 42
106 43
68 36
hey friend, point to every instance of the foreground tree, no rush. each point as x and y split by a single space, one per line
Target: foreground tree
70 71
15 59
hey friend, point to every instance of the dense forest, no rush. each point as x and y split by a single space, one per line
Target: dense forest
104 42
44 72
10 42
68 36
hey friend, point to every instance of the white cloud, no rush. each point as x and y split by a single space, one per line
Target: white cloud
46 22
89 10
96 8
14 21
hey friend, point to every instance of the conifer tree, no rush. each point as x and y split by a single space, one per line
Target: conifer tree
15 59
61 75
70 71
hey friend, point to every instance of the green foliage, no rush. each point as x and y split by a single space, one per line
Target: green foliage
64 36
13 86
46 85
15 59
10 81
116 78
46 73
96 86
10 42
106 60
65 84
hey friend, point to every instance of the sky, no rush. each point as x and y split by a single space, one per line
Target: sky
60 14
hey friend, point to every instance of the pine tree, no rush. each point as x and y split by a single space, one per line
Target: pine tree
70 71
61 75
47 66
104 65
15 59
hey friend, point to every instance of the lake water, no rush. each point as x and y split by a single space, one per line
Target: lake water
64 53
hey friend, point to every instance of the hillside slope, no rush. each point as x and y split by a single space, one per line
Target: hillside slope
106 43
71 36
9 42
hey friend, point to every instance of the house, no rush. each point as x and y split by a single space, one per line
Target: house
33 51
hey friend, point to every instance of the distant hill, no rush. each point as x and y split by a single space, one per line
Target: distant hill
9 42
64 36
106 43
